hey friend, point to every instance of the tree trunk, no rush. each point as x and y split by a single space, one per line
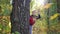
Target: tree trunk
20 16
58 9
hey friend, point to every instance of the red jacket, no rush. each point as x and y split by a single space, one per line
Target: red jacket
31 20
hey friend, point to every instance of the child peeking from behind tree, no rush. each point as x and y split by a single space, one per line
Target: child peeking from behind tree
33 19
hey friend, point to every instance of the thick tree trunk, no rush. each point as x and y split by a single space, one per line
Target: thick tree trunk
20 16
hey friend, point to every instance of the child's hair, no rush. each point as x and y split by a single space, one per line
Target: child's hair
34 11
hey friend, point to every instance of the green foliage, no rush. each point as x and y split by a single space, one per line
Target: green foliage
6 7
4 1
32 4
43 23
4 25
5 11
16 33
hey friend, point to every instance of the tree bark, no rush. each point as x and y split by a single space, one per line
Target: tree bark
20 16
58 8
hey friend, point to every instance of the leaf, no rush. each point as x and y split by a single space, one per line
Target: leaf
47 5
54 16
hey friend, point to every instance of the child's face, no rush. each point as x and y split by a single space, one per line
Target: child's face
34 12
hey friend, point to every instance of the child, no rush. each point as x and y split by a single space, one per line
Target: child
33 18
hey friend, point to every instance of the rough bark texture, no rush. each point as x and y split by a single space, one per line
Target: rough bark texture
20 16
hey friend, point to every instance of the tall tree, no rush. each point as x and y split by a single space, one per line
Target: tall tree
58 8
20 16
